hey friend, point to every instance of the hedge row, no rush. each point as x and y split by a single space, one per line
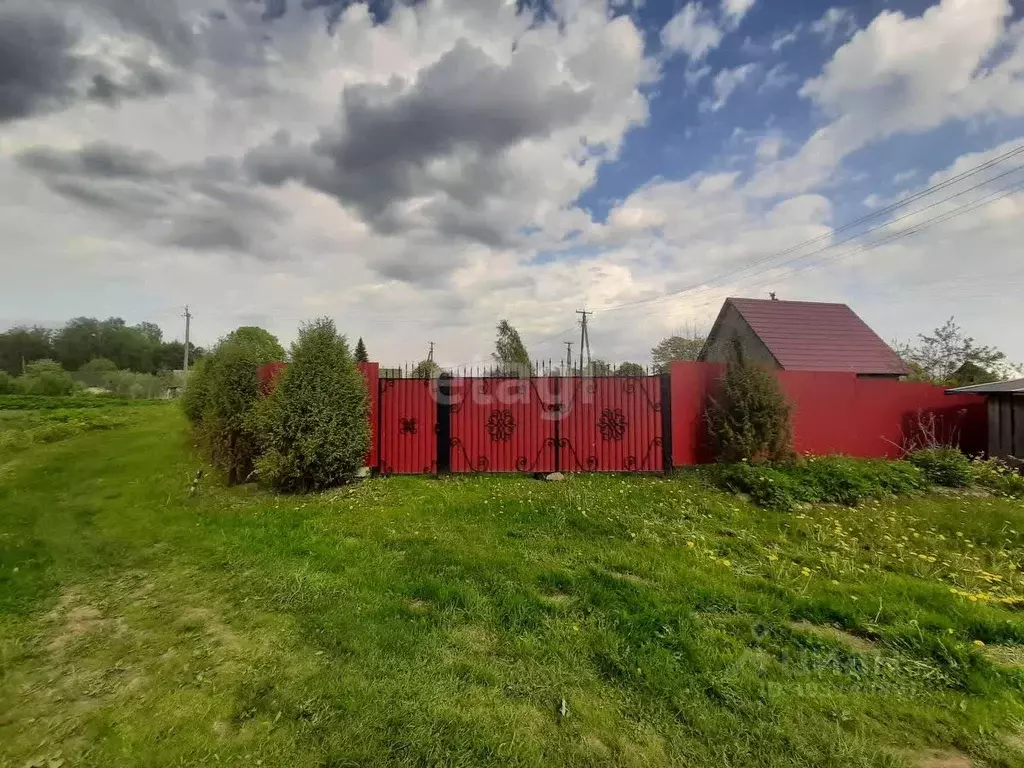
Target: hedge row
51 402
312 432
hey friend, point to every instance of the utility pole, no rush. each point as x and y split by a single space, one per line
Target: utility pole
568 358
584 339
188 327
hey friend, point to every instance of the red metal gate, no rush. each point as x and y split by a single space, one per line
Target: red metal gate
546 424
503 424
611 424
407 426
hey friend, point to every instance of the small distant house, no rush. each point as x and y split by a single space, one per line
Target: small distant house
1005 416
800 336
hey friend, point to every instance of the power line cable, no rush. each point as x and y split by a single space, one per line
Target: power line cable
911 230
907 232
874 214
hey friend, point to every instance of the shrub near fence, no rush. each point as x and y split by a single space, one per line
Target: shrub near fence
833 413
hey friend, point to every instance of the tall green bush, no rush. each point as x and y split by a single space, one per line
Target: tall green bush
750 417
231 390
46 377
262 345
197 383
8 384
314 428
259 341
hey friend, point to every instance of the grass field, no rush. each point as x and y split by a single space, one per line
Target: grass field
424 621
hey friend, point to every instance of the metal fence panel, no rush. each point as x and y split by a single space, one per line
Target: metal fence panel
407 426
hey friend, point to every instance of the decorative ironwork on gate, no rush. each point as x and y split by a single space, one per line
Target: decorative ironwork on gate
541 424
614 424
406 426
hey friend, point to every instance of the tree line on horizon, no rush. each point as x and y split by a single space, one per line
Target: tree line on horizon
139 348
95 348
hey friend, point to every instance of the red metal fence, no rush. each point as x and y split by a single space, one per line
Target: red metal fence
833 413
611 424
503 424
645 423
541 424
407 426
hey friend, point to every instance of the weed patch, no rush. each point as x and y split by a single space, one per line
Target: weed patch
816 480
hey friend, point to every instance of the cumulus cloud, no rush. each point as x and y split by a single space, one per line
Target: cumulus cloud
36 61
53 54
724 83
479 146
768 149
735 10
777 78
447 131
203 207
784 38
836 23
692 31
903 75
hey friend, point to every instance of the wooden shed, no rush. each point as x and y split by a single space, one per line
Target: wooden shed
1005 416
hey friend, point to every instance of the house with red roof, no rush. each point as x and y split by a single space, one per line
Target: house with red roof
800 336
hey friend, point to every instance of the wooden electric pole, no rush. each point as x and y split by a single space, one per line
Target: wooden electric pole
188 328
584 339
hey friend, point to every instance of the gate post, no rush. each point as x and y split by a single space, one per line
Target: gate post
666 421
444 423
557 406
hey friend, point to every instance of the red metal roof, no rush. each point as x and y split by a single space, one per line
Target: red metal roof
813 336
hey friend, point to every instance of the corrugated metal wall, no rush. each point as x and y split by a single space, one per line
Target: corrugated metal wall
503 424
611 424
407 426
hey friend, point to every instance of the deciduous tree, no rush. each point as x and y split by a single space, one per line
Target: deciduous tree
678 347
630 369
426 369
510 352
938 356
21 345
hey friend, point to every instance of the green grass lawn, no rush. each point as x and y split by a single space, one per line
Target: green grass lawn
426 621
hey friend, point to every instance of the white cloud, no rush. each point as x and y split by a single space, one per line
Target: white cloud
735 10
706 230
777 78
958 60
837 23
693 75
785 37
462 201
725 82
768 149
692 31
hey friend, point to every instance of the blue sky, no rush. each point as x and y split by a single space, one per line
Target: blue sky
419 172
